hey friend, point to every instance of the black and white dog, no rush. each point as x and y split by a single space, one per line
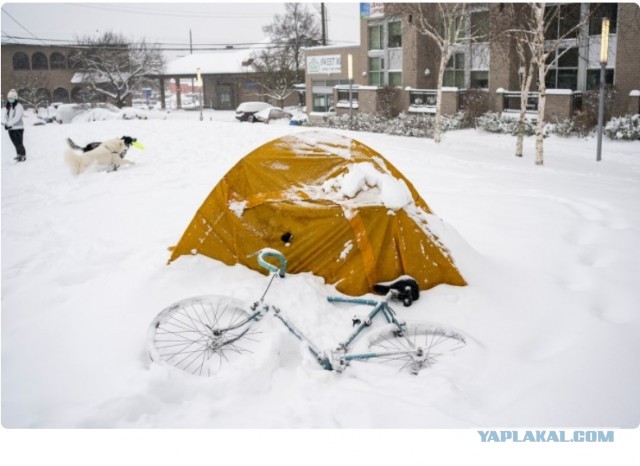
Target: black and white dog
110 152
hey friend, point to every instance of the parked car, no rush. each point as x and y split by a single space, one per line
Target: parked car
65 113
247 110
272 113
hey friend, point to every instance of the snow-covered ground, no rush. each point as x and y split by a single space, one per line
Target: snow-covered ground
551 312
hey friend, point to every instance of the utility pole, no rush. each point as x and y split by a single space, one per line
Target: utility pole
191 53
323 21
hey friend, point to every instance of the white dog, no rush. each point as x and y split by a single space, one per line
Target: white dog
108 153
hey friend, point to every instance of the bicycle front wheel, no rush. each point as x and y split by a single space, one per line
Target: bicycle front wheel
418 347
198 335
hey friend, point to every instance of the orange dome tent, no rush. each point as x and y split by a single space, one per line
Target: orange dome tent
333 206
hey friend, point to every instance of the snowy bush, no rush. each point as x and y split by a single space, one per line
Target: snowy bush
564 128
626 128
585 120
416 125
497 123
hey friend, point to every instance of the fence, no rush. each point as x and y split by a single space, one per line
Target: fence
423 98
511 102
576 103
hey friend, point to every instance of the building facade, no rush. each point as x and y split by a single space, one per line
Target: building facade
394 57
42 72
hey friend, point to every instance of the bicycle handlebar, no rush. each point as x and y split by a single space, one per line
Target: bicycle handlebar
268 252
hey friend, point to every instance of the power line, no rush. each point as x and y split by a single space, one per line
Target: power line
167 46
19 24
169 13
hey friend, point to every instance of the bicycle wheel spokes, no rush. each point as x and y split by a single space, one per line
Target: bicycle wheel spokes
198 335
418 347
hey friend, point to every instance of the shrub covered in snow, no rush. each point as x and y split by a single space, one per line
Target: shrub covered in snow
497 123
416 125
564 128
626 128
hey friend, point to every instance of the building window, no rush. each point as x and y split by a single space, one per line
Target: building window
395 34
343 98
39 61
376 71
395 78
562 21
20 61
60 94
599 11
593 78
224 97
563 72
43 97
454 73
58 61
479 80
375 37
457 30
480 26
322 102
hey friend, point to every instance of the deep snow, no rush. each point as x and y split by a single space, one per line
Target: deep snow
551 311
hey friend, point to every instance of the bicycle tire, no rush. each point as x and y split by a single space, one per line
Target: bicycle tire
419 347
196 334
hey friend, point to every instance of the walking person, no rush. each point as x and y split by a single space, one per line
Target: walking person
12 120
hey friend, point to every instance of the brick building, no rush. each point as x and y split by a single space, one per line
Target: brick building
393 55
45 69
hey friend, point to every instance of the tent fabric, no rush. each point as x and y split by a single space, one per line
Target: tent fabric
333 206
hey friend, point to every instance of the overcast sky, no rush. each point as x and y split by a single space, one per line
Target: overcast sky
211 23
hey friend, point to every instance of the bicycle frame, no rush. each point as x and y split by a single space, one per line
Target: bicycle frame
337 359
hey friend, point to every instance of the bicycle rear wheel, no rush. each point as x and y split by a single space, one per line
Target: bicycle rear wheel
419 347
198 335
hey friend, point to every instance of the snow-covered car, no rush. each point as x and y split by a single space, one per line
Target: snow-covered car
247 110
65 113
272 113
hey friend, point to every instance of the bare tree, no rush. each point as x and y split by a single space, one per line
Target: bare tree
275 74
292 32
280 66
33 90
542 35
445 25
513 29
115 67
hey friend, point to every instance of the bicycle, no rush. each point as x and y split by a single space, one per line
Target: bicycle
202 333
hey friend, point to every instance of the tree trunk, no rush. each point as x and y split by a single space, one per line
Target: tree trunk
524 99
542 89
437 131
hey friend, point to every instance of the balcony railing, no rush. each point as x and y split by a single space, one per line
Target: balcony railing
511 102
423 100
576 103
462 99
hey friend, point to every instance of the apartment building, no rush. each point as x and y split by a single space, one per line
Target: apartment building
392 54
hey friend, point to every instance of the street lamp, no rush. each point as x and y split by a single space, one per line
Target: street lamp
199 81
350 71
604 51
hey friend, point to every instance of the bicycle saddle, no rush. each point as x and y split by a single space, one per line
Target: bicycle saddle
405 289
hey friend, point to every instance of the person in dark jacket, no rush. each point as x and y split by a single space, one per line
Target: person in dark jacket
12 120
